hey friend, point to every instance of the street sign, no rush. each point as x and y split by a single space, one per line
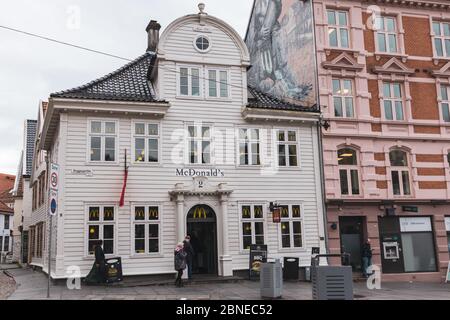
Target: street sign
410 208
53 203
54 177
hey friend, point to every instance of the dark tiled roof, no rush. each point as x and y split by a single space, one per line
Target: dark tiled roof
5 209
258 99
129 83
30 136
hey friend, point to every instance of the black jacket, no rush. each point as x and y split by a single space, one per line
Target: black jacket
188 249
366 251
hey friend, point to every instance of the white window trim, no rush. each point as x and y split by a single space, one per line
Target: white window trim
186 157
400 169
200 80
348 169
343 97
217 70
393 100
290 219
338 28
146 254
386 34
146 137
262 131
86 255
441 101
276 143
194 43
442 37
252 220
102 135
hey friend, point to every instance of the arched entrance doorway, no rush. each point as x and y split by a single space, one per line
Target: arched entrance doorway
202 227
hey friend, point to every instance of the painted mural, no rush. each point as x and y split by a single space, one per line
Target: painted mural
281 45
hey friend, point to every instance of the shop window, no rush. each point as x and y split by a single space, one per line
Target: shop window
146 229
287 148
338 28
343 98
400 173
199 144
146 142
291 226
252 220
100 226
348 171
102 141
249 147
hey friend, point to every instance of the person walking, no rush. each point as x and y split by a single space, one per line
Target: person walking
180 263
366 255
189 254
98 271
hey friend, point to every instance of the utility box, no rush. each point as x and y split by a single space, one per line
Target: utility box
271 279
331 282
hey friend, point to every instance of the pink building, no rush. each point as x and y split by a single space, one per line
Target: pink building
384 87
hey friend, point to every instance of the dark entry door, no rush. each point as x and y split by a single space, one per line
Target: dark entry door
352 238
202 227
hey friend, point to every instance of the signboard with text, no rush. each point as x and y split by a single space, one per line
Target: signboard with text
415 224
258 255
53 189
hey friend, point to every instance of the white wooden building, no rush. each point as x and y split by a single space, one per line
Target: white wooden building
206 154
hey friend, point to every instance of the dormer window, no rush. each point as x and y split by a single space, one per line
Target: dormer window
202 44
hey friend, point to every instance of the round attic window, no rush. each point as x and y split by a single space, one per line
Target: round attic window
202 44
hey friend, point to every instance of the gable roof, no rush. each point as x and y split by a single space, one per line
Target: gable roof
128 83
258 99
5 209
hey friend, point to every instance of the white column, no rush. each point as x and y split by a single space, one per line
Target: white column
226 261
181 225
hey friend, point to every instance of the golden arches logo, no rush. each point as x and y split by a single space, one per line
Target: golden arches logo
246 211
258 211
153 212
199 212
285 211
296 210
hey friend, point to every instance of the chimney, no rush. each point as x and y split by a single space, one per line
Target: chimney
153 35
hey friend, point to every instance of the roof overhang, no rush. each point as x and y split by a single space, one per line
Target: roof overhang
262 114
56 106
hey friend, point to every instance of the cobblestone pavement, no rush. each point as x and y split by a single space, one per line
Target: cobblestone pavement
7 285
33 285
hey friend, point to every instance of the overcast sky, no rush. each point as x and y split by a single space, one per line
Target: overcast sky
31 68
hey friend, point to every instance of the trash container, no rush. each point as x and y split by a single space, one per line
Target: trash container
290 268
271 279
331 282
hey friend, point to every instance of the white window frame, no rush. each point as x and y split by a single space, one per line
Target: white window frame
146 137
194 43
393 100
218 84
400 170
251 220
444 101
200 81
199 144
102 136
383 30
287 144
145 222
339 28
291 219
100 223
249 142
441 37
343 96
348 168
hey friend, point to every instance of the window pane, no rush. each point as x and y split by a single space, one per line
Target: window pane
139 128
349 107
282 155
139 245
396 88
108 232
195 82
381 42
405 181
342 18
153 150
255 153
398 158
344 181
259 228
347 157
395 182
108 213
153 129
139 145
388 110
331 17
292 155
285 228
281 135
139 231
437 28
444 93
192 131
184 81
96 127
139 213
153 213
110 149
297 240
223 84
344 38
110 127
254 134
247 228
212 83
438 47
338 107
206 152
94 232
243 153
243 134
355 181
246 212
95 148
258 212
153 245
399 110
390 24
296 211
153 231
445 112
296 226
246 242
386 90
447 48
333 37
94 213
446 28
336 86
193 152
419 252
292 136
108 246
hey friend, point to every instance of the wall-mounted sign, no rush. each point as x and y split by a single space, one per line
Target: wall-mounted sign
415 224
258 255
391 251
276 215
54 176
410 208
53 190
87 173
447 223
53 203
181 172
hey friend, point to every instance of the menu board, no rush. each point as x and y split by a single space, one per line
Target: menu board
114 270
258 255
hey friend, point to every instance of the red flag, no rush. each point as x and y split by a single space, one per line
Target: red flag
122 195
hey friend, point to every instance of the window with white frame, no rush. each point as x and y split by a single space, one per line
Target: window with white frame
249 147
291 226
102 140
252 219
445 102
146 227
400 173
6 222
343 98
348 171
441 37
338 28
218 84
189 78
287 148
146 142
393 101
386 34
199 141
100 226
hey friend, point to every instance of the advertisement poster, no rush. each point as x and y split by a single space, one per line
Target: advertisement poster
258 255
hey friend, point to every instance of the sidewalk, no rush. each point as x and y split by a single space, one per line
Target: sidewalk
33 285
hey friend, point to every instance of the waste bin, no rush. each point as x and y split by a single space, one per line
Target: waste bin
331 282
271 279
290 268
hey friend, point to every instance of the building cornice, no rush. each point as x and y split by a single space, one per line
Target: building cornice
423 4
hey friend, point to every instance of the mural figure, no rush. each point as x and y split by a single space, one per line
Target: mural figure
280 41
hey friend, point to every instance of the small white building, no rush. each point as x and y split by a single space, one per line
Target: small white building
205 153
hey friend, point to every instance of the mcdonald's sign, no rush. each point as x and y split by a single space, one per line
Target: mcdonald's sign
153 212
200 212
296 211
